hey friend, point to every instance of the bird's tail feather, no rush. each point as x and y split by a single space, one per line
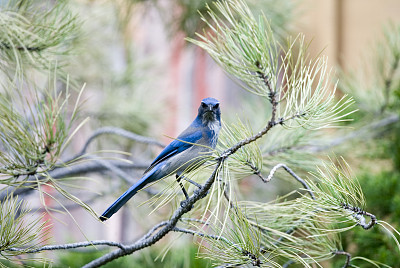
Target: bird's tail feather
125 197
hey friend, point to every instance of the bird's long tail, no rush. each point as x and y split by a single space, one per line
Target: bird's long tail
126 196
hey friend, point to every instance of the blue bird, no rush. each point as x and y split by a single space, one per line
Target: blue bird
184 152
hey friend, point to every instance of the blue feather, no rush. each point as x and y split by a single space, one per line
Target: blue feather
179 145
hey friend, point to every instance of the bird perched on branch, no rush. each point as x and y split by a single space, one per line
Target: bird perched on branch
186 151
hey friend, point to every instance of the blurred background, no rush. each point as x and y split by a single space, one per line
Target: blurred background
140 74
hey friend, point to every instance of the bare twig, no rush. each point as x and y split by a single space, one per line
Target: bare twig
152 230
348 257
121 173
115 131
294 175
305 185
91 166
113 168
278 151
359 215
361 133
123 133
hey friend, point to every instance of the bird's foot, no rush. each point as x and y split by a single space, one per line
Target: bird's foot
179 177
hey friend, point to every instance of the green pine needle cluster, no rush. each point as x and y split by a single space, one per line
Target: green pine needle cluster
33 131
20 231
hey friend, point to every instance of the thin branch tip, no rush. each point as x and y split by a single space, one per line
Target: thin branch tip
359 214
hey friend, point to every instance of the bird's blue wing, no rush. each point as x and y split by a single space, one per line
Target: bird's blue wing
182 143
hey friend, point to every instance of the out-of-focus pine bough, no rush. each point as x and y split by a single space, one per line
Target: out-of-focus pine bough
36 35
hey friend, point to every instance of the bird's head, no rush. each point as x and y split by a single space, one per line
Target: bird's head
209 110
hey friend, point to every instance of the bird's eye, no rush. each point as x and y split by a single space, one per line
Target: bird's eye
203 105
216 106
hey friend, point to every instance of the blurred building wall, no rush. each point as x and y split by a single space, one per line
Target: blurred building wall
345 29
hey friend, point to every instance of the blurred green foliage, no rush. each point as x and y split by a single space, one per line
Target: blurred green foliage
393 149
